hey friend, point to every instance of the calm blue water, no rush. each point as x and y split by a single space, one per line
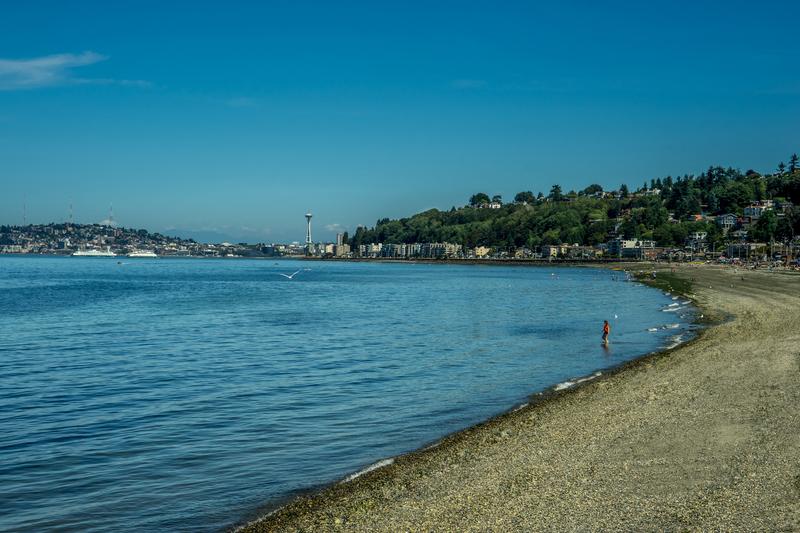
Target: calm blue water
187 394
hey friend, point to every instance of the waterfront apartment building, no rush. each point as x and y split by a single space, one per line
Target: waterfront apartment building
428 250
631 248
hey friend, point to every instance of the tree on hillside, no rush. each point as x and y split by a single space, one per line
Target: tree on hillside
623 191
713 203
497 199
793 163
479 199
592 189
525 197
764 229
784 230
781 168
555 193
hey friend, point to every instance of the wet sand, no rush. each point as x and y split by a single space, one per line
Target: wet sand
702 437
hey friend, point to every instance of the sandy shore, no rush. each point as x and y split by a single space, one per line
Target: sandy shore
704 437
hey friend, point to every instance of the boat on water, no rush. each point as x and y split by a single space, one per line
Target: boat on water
94 253
142 253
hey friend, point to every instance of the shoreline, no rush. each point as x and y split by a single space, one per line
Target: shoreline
439 487
274 516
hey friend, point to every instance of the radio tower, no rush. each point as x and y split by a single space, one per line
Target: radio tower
111 215
308 233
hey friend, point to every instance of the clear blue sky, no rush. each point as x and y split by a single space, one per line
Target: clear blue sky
231 120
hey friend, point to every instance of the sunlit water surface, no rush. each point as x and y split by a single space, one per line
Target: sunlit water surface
188 394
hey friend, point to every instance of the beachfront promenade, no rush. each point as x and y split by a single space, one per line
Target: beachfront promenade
704 437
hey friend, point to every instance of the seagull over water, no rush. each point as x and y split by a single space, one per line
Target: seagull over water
287 276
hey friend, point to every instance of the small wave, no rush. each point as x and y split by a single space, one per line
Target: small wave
432 445
652 329
517 408
669 309
670 326
676 304
567 384
675 341
675 297
370 468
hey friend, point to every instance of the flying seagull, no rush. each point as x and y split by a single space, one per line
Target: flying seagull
287 276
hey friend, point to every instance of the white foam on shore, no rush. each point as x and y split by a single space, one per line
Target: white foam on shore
671 326
521 406
652 329
676 340
670 309
674 297
370 468
567 384
674 304
351 477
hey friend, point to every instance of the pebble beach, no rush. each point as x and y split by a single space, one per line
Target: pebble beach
705 436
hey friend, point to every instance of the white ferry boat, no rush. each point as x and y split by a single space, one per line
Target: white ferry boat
142 253
94 253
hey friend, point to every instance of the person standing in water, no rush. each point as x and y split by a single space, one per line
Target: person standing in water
606 331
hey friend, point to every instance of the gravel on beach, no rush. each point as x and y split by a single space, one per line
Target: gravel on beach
702 437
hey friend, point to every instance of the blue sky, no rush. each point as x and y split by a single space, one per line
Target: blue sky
229 120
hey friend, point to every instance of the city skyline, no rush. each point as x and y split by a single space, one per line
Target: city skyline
227 124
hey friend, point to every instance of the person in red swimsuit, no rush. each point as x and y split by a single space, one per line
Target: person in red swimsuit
606 331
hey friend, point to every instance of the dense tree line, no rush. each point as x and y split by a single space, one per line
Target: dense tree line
585 217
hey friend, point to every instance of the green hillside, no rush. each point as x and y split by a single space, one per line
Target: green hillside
664 210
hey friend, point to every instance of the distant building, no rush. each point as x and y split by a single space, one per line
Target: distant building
394 251
440 250
630 248
482 251
756 210
743 250
697 241
554 250
727 221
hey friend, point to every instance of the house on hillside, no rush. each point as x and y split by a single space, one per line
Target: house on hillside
697 241
726 222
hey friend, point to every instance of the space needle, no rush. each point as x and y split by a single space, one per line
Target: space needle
308 233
